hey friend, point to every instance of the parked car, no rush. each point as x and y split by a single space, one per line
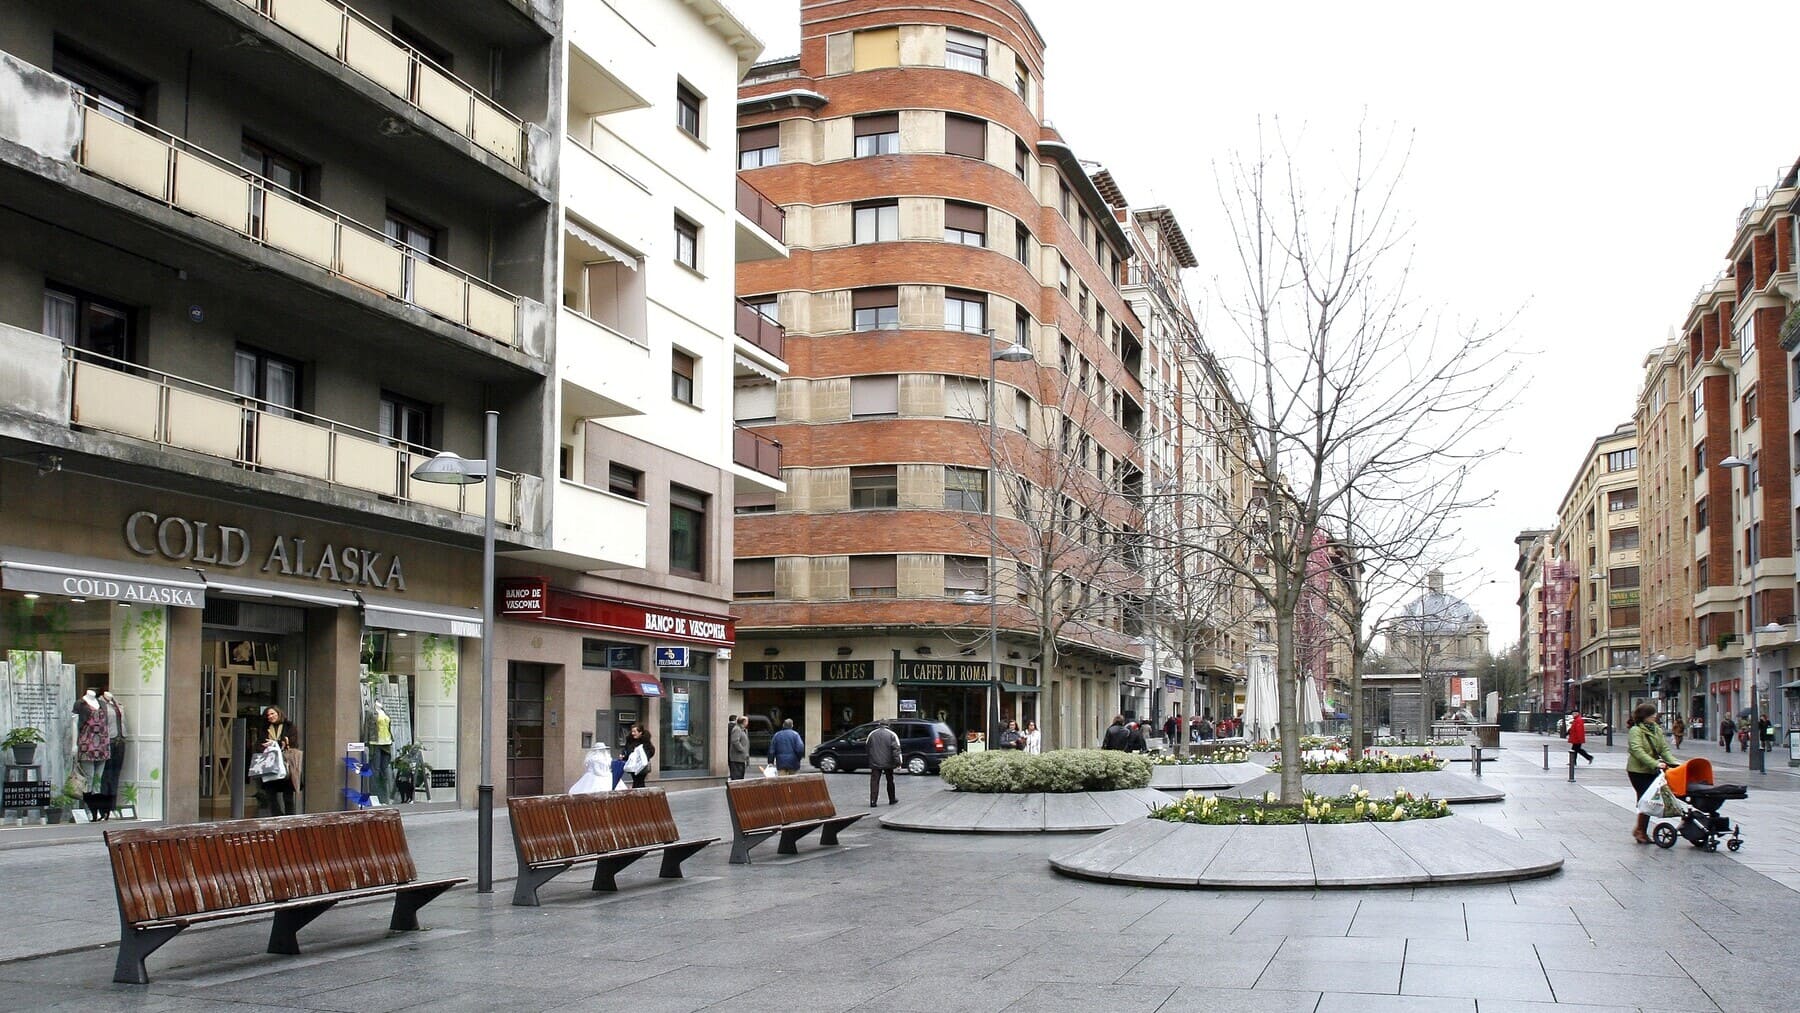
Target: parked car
923 745
1595 726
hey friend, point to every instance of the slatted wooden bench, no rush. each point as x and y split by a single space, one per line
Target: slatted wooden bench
790 806
294 867
552 833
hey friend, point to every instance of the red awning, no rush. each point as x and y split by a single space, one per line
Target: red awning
634 684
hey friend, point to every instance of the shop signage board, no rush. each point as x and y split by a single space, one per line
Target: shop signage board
671 657
774 671
864 669
212 543
943 671
524 596
1173 682
532 598
908 706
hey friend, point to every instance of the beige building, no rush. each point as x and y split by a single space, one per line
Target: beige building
1597 526
1665 482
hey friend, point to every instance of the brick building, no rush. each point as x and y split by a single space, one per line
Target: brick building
1666 553
1597 535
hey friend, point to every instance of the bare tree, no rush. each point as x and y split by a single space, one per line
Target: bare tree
1354 388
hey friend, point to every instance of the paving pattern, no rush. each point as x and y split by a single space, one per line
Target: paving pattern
946 923
1203 776
1448 785
962 812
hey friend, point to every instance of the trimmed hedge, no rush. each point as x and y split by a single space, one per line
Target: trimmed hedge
1059 771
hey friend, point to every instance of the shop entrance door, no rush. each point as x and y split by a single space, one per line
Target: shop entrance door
524 729
252 657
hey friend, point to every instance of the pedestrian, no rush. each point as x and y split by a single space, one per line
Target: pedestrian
280 734
1034 739
1205 731
1727 729
638 751
786 749
1698 729
1578 738
737 750
1744 735
1134 742
1678 728
884 759
1649 755
1011 737
1767 730
1171 727
1116 734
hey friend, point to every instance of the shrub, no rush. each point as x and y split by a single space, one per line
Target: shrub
1355 807
1060 770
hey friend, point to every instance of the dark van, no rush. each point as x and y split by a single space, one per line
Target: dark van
923 745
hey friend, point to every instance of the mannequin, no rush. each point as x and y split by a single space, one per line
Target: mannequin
115 763
382 751
93 747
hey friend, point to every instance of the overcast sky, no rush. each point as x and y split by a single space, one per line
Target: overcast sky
1580 164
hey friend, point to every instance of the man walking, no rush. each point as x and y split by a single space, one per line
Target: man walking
1116 734
1727 729
737 752
786 749
1578 738
884 758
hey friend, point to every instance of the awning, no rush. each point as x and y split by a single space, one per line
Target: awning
756 367
605 248
84 577
1791 685
1017 687
421 617
250 587
626 683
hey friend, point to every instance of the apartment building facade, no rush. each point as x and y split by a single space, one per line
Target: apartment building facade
1665 483
1532 544
1597 536
941 233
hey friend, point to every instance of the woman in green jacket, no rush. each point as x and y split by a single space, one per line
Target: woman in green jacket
1649 755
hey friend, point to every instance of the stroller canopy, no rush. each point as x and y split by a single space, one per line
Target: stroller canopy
1682 776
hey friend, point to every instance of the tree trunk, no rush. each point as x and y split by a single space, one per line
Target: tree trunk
1287 704
1358 732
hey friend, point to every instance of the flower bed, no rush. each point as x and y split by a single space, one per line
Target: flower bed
1355 807
1371 763
1389 740
1216 756
1058 771
1307 742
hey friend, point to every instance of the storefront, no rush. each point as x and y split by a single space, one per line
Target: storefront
954 692
824 699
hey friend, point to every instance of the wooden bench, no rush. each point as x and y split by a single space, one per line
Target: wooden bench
791 806
551 833
294 867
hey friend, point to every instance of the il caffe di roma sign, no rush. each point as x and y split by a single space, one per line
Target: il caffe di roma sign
208 543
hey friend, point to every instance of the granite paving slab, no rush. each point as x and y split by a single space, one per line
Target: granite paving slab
1074 809
1357 854
1121 806
1204 776
1253 857
961 812
1451 787
1466 851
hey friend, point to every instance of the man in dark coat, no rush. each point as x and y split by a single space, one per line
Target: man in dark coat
1134 739
1117 735
884 759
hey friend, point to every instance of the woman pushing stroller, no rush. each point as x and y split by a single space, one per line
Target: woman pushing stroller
1649 755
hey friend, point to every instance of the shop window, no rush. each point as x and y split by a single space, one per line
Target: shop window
405 422
965 489
409 719
687 531
877 134
965 136
686 724
625 481
90 323
875 309
965 573
876 223
753 578
873 576
759 146
609 654
965 224
874 487
965 51
687 110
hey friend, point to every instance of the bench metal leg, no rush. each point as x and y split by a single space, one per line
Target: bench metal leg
743 842
525 888
607 868
408 902
673 857
829 833
284 934
134 946
790 836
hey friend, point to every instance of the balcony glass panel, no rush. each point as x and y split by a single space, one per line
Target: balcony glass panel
379 58
211 192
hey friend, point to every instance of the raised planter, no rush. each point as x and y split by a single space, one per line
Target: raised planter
1203 776
1456 789
1421 852
961 812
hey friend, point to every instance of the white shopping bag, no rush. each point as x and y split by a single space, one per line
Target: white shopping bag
637 762
1655 800
770 771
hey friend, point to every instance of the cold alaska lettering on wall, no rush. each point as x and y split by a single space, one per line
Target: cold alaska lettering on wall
201 542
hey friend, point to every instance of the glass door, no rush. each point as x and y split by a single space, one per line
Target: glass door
524 729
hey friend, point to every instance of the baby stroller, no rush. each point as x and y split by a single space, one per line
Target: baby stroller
1697 808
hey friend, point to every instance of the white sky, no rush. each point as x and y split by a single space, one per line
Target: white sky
1581 164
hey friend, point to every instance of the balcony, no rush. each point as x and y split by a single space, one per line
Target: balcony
604 373
760 331
352 39
612 65
593 530
91 392
599 191
759 225
756 461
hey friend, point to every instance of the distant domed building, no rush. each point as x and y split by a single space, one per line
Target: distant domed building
1441 636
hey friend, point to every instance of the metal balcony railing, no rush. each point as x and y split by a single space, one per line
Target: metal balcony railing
767 215
147 404
348 36
135 154
759 330
753 450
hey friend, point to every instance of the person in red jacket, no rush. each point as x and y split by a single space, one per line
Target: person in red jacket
1578 737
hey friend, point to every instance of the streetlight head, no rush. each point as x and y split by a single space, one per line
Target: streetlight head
449 468
1014 352
1734 461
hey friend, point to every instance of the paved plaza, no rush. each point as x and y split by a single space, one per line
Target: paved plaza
945 923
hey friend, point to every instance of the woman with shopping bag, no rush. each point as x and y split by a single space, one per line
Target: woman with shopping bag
638 751
1649 756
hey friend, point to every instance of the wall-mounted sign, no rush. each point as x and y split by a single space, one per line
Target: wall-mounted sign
208 543
909 706
533 598
864 669
671 657
774 671
942 671
524 596
678 713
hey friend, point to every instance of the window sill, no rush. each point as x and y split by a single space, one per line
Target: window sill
683 131
689 268
687 404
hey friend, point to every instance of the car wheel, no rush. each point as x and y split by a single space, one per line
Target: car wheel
916 765
1664 835
827 764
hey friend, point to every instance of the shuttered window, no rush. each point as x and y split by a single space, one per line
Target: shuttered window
753 578
874 309
877 134
876 48
965 573
965 136
874 396
873 576
965 223
759 146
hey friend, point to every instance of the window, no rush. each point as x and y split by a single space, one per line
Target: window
1621 460
1022 246
753 578
759 502
687 243
1066 200
687 531
1699 458
875 309
872 396
687 110
402 231
753 401
1623 578
965 573
1749 407
876 47
1794 375
1021 80
290 173
1022 328
1621 499
1066 355
268 378
873 576
1622 539
874 487
681 376
93 325
965 397
965 311
119 95
1700 518
1699 399
965 489
759 146
965 51
877 135
406 422
766 306
1062 277
423 44
965 223
1022 162
876 223
625 481
965 136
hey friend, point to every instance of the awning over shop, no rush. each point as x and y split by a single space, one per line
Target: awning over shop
251 587
84 577
1017 687
626 683
421 617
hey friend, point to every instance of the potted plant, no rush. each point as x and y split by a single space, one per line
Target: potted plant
63 805
23 742
410 771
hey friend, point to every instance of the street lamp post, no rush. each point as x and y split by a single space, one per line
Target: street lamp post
1751 659
1013 352
449 469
